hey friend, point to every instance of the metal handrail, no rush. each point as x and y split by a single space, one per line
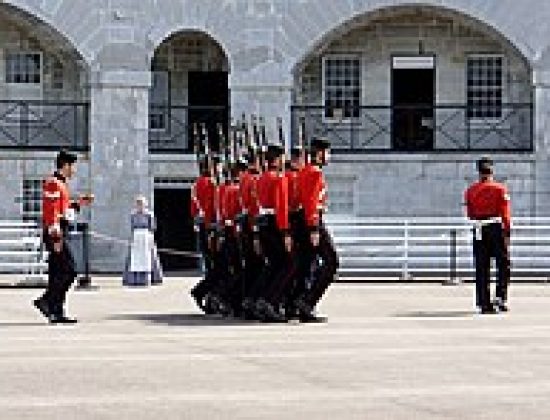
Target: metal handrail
370 128
174 136
414 246
44 125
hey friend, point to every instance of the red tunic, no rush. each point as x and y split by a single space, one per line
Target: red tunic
312 187
231 205
219 200
486 199
55 200
202 199
249 193
273 196
293 190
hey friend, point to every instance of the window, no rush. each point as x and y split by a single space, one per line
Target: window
159 98
485 86
341 87
24 68
32 200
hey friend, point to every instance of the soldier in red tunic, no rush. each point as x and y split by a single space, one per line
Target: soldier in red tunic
488 205
253 260
300 235
323 259
274 236
58 210
203 212
231 210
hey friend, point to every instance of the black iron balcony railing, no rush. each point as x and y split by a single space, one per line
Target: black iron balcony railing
171 126
418 128
44 125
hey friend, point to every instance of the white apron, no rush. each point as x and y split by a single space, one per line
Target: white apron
142 247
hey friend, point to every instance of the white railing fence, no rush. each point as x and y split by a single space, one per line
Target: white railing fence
438 248
22 260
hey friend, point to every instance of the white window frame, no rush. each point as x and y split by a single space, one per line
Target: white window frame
332 120
484 122
35 216
20 53
24 91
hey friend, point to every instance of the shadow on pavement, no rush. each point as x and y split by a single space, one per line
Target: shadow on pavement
23 324
181 319
436 314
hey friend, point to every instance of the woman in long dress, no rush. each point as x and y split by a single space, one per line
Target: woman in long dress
142 264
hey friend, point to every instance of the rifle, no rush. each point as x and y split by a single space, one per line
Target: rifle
262 143
302 137
281 142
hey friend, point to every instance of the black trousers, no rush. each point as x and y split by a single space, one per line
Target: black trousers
494 243
205 243
230 272
302 253
61 274
278 268
324 272
252 261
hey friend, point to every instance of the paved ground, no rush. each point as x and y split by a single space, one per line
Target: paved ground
387 352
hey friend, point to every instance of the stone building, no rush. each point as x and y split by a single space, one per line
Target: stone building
410 93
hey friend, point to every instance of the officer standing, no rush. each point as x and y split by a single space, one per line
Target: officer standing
488 205
323 260
58 210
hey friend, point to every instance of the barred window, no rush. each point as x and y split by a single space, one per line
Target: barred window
23 67
485 86
32 200
342 86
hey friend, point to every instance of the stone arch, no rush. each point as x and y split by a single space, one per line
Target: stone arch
47 26
359 17
190 87
451 108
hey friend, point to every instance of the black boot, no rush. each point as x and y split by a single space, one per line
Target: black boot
42 306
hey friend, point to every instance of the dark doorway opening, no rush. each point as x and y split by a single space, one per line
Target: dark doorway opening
413 103
174 228
209 103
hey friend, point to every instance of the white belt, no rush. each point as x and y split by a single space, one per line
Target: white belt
267 212
479 224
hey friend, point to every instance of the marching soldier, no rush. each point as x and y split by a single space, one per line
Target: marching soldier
323 259
58 212
203 211
300 236
230 208
488 205
274 236
251 210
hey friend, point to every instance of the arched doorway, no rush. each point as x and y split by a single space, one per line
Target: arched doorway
189 93
415 79
190 89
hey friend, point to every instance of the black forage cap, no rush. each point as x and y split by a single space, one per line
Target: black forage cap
66 157
320 143
296 151
485 164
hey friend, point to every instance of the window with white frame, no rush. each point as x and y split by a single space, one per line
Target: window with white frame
24 67
485 86
31 200
341 86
